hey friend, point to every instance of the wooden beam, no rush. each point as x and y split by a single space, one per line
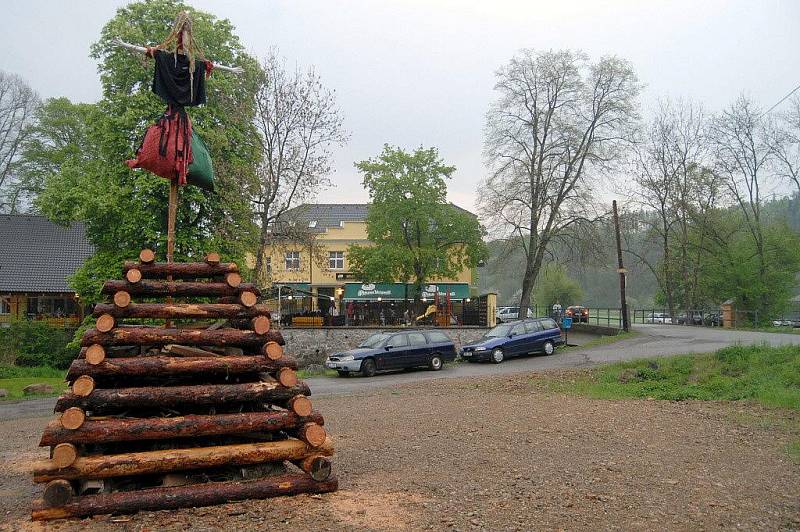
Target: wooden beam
181 310
182 270
171 366
158 336
171 460
178 288
319 467
111 400
192 495
112 429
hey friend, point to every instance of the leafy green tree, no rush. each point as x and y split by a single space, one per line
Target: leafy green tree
418 235
555 286
84 177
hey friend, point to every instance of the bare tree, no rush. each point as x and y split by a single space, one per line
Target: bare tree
298 122
677 190
786 144
559 120
18 103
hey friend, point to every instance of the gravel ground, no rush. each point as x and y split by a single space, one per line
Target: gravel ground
499 453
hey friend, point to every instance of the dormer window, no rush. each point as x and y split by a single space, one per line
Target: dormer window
312 223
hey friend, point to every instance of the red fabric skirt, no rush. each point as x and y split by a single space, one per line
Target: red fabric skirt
167 147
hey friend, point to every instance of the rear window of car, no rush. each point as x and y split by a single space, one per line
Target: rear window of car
436 336
548 324
416 339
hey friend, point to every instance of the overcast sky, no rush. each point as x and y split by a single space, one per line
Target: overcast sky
421 72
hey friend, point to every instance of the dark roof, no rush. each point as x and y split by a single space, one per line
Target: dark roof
37 255
331 214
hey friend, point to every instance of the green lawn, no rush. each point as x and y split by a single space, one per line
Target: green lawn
15 378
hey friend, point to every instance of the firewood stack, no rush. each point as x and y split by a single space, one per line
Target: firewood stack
181 413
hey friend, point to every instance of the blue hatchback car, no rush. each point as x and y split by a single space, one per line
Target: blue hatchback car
532 335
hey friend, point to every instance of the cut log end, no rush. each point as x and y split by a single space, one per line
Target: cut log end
64 455
213 258
105 323
248 299
273 351
287 377
122 299
233 279
300 405
134 275
313 434
146 256
261 324
95 354
83 386
318 467
57 493
72 418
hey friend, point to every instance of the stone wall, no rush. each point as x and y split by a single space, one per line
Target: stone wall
313 345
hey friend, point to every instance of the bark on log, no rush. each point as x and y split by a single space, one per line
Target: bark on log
105 400
316 465
182 270
169 366
171 460
135 429
182 310
193 495
178 289
57 493
158 336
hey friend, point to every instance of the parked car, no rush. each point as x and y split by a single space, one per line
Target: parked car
658 317
712 320
516 338
395 350
695 318
506 314
578 314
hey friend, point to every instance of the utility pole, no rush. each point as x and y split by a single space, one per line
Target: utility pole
622 271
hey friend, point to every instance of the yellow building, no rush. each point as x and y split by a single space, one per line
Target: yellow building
313 273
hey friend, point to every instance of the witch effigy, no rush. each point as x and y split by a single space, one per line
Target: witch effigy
207 409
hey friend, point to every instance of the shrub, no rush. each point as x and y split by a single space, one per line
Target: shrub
35 343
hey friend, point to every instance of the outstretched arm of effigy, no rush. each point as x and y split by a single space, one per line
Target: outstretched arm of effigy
143 50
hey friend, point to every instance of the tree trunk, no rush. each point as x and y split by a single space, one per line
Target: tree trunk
178 289
181 310
172 366
184 496
109 400
182 270
136 429
158 336
166 461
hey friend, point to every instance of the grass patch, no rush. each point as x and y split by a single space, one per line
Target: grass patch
14 378
767 375
305 374
794 451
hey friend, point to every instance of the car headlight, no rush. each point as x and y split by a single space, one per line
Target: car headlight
346 358
480 348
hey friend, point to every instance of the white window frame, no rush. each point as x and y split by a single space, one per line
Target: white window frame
291 261
336 260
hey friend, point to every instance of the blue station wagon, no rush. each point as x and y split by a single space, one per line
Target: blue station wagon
536 335
389 350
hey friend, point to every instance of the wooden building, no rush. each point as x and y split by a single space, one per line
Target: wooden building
36 259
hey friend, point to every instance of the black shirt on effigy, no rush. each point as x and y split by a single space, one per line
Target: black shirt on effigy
171 80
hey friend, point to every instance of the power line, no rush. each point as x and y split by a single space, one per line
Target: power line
781 101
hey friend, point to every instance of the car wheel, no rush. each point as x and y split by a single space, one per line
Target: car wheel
343 373
368 368
435 363
548 348
497 355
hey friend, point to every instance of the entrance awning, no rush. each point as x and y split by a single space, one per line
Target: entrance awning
397 291
305 287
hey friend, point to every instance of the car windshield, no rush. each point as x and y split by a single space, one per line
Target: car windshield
374 341
500 330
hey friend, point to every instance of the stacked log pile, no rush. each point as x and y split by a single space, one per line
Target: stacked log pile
203 409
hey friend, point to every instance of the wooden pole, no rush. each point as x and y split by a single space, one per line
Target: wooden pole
186 310
159 336
171 215
184 496
183 289
316 465
622 299
113 429
165 461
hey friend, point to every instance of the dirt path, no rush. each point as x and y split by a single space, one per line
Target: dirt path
497 453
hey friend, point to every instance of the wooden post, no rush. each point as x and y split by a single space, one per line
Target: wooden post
621 270
171 215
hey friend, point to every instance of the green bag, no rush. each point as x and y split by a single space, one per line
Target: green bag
201 171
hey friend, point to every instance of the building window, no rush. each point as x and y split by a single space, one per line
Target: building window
336 260
5 305
269 264
292 260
